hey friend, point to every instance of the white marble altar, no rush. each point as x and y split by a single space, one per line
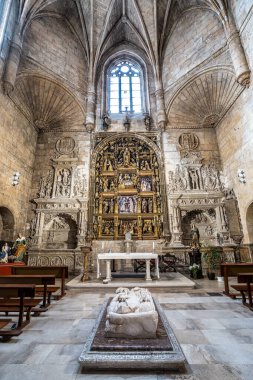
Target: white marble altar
108 257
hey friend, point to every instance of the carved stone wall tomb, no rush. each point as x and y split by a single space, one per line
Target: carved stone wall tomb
60 223
197 195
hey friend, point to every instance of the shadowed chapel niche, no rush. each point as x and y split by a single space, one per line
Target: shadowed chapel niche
6 224
60 232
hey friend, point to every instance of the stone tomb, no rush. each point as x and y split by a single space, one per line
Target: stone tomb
160 352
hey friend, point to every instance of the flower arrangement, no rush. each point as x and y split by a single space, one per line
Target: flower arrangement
195 270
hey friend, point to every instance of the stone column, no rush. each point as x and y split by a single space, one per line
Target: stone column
37 239
177 233
82 225
237 53
91 105
160 107
222 225
4 19
12 63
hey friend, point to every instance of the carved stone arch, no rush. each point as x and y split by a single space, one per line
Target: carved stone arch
126 188
204 99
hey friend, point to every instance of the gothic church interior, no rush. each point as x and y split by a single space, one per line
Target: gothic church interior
124 116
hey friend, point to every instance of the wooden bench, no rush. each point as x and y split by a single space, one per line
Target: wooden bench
232 270
245 286
58 271
10 332
13 298
41 279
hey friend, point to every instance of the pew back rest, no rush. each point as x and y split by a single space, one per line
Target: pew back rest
17 290
232 269
243 278
57 271
48 279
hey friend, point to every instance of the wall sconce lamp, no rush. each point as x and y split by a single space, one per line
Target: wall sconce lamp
241 175
15 178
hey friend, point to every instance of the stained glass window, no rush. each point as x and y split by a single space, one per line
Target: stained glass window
125 88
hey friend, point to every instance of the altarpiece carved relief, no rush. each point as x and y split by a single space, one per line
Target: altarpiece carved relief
127 190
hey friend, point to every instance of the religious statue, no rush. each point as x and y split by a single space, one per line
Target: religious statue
126 157
19 248
106 121
147 121
4 254
194 179
195 236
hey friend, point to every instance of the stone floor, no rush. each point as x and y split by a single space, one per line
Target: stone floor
215 333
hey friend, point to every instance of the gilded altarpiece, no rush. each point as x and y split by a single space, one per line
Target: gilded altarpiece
127 188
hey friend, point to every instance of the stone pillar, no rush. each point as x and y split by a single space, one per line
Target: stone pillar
160 107
175 221
12 63
222 225
37 239
91 104
82 225
4 19
237 53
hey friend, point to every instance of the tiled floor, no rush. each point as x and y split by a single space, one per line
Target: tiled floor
215 333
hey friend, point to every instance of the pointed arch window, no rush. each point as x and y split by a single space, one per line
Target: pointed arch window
125 88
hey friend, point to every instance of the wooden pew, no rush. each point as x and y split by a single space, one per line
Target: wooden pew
245 286
8 333
13 297
58 271
232 270
41 279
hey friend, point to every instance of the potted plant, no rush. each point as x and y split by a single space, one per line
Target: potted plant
212 258
195 271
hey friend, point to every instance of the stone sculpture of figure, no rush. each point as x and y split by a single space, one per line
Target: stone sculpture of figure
147 121
131 314
194 179
106 121
195 236
65 177
48 189
126 157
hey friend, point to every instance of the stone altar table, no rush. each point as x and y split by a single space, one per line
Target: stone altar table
108 257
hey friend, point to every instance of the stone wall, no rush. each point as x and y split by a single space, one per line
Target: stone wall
235 132
17 154
58 53
197 35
